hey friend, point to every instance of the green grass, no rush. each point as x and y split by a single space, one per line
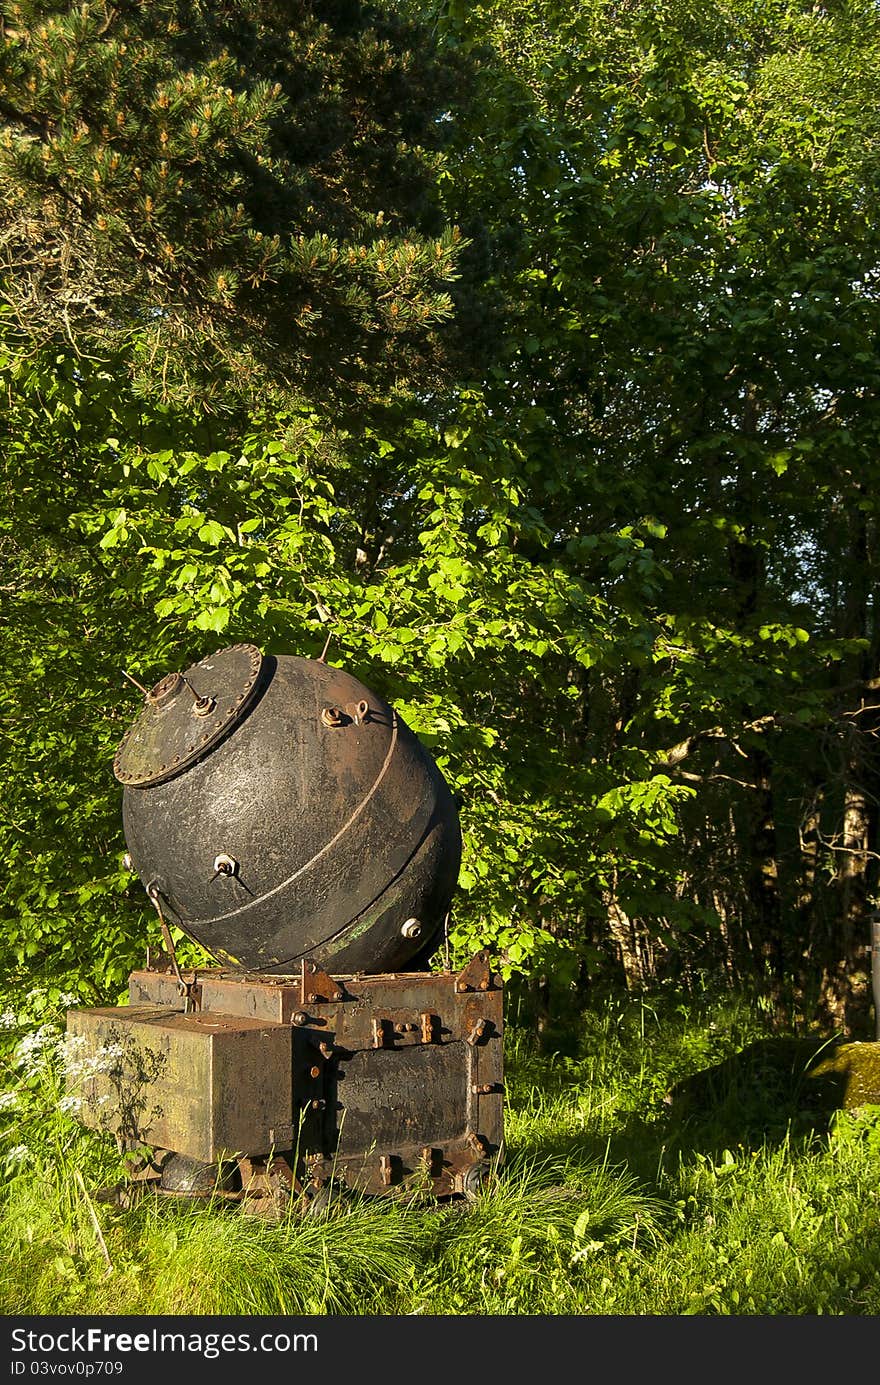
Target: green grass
741 1199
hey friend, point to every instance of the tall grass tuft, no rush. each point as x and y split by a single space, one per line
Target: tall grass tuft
223 1260
515 1249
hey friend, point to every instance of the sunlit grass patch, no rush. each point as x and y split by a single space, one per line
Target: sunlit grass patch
516 1248
224 1260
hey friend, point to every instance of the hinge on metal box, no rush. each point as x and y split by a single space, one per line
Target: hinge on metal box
431 1160
476 976
318 986
389 1168
476 1032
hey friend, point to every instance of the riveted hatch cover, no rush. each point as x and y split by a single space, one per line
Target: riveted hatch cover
186 714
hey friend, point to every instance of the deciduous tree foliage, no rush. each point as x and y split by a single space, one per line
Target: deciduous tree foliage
694 282
585 485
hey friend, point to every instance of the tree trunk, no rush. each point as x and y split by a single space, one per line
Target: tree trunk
763 876
747 565
845 984
845 978
626 938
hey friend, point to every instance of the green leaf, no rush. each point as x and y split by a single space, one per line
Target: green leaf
216 619
212 533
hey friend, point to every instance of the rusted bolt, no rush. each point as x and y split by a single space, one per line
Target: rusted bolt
300 1017
484 984
313 997
325 1050
317 1104
481 1088
404 1028
337 995
314 1072
332 716
225 865
461 987
411 929
203 706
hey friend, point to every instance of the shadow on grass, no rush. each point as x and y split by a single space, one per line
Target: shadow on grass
772 1089
768 1093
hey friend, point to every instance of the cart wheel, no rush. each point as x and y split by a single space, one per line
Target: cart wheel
329 1197
181 1174
475 1180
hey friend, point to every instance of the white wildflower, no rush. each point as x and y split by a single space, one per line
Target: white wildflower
17 1154
8 1020
70 1105
34 1044
8 1101
68 998
106 1059
78 1064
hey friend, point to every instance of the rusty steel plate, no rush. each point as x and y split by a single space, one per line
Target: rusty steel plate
187 714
